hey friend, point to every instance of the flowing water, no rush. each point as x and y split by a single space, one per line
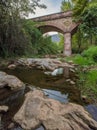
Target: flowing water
53 86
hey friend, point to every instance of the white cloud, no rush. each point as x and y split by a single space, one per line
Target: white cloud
51 8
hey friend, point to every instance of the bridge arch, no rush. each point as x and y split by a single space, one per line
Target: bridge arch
60 22
49 28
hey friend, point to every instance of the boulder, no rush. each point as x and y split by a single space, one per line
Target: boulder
53 115
10 81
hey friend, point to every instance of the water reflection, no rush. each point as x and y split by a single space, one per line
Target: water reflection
40 128
37 78
57 95
92 109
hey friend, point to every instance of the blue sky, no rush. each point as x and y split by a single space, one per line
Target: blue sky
53 6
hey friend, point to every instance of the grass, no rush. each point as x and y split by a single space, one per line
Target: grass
87 58
80 60
91 53
88 83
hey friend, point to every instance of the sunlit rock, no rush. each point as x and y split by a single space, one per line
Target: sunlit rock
72 82
12 66
10 81
47 73
53 115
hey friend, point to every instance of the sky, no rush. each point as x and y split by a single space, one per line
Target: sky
53 6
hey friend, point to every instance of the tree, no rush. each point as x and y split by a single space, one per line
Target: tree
84 11
89 21
80 5
13 39
39 45
66 5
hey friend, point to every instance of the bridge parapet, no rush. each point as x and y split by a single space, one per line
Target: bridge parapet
53 16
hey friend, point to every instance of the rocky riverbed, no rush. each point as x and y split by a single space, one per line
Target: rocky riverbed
37 109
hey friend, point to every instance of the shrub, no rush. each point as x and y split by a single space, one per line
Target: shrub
82 60
91 53
40 45
88 82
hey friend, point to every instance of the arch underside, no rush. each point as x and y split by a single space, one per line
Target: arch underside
48 28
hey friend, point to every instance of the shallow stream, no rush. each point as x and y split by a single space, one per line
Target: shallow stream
53 86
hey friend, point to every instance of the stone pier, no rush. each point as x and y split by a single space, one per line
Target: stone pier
67 44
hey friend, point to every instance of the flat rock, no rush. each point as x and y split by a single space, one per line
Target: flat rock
53 115
43 63
10 81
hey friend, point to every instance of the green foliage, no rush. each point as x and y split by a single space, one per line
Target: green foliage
78 59
66 5
91 53
77 41
88 83
19 36
79 7
39 45
61 43
46 46
92 78
87 71
86 58
20 7
13 39
33 35
85 12
89 21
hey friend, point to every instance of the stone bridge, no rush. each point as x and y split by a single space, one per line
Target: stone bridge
60 22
